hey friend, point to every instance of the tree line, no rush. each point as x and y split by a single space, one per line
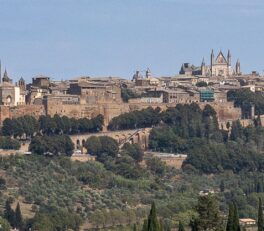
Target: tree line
136 119
28 125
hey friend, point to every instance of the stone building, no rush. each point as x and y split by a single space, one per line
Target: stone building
10 94
220 66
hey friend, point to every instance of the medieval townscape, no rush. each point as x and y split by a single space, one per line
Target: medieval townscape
87 97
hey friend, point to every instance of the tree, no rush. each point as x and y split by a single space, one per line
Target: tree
181 227
145 225
194 224
9 214
222 186
208 211
5 226
134 150
236 226
93 145
230 219
260 217
153 223
156 166
18 218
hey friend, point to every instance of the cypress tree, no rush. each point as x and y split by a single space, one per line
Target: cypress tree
18 217
181 227
230 220
194 224
145 225
260 217
153 223
236 226
9 214
135 227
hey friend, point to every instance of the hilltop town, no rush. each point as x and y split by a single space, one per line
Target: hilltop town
87 97
93 153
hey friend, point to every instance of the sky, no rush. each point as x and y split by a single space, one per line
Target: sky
64 39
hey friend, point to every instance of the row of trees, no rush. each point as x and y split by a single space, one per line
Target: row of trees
136 119
29 125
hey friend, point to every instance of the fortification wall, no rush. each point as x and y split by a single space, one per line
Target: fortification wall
32 110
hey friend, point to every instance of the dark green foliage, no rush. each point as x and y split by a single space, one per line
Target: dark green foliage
156 166
18 222
230 219
145 225
102 146
195 132
56 144
28 125
208 211
222 186
136 119
233 218
7 142
194 224
127 94
93 145
5 226
153 222
260 216
201 84
56 219
236 131
133 150
245 98
181 227
17 127
9 214
236 226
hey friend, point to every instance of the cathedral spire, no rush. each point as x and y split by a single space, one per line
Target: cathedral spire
238 72
212 59
229 58
5 77
203 67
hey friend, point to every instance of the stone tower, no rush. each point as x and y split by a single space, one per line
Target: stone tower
203 68
22 84
238 71
212 60
229 58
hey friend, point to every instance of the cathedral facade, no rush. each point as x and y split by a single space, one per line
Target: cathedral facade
220 66
11 94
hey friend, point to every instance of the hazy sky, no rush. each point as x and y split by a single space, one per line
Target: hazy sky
69 38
